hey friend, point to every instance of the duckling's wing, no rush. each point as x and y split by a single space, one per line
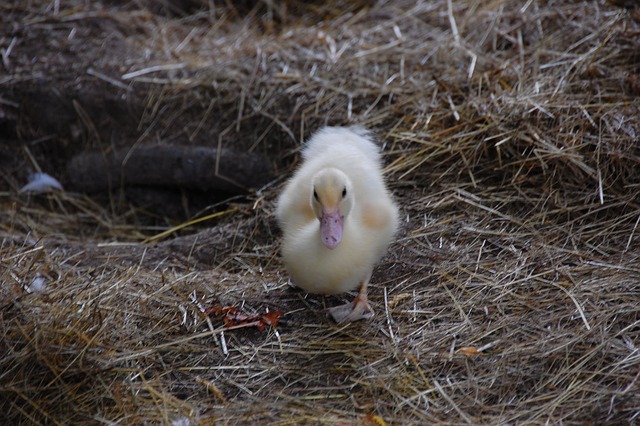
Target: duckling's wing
294 208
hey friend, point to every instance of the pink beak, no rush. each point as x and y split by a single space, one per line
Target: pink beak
331 224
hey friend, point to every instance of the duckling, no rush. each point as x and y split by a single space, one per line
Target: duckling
337 218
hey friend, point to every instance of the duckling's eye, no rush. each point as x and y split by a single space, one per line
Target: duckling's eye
315 194
344 192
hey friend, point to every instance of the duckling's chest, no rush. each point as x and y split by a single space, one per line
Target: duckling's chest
317 269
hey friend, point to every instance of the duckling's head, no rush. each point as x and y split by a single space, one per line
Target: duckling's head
332 200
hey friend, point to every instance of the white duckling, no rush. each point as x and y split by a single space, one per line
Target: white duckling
337 217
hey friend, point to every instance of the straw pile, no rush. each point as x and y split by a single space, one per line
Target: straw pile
510 134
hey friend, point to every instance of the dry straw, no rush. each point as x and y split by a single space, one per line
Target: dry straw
511 295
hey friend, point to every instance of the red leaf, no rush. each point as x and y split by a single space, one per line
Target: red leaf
219 310
232 318
272 318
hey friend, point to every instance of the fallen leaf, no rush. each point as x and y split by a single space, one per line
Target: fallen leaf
232 318
468 350
272 318
374 419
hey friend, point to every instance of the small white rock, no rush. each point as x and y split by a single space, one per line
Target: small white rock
183 421
38 284
41 182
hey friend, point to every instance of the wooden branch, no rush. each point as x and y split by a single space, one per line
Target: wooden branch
198 168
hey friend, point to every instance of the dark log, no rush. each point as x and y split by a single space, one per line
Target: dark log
185 167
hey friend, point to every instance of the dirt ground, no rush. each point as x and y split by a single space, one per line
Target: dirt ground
509 132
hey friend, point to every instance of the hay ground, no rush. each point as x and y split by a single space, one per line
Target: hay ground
510 133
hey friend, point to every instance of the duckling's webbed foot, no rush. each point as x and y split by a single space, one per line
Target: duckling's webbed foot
357 310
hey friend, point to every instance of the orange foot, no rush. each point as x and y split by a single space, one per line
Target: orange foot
357 310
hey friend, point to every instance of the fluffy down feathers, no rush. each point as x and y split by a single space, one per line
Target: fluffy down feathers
336 213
